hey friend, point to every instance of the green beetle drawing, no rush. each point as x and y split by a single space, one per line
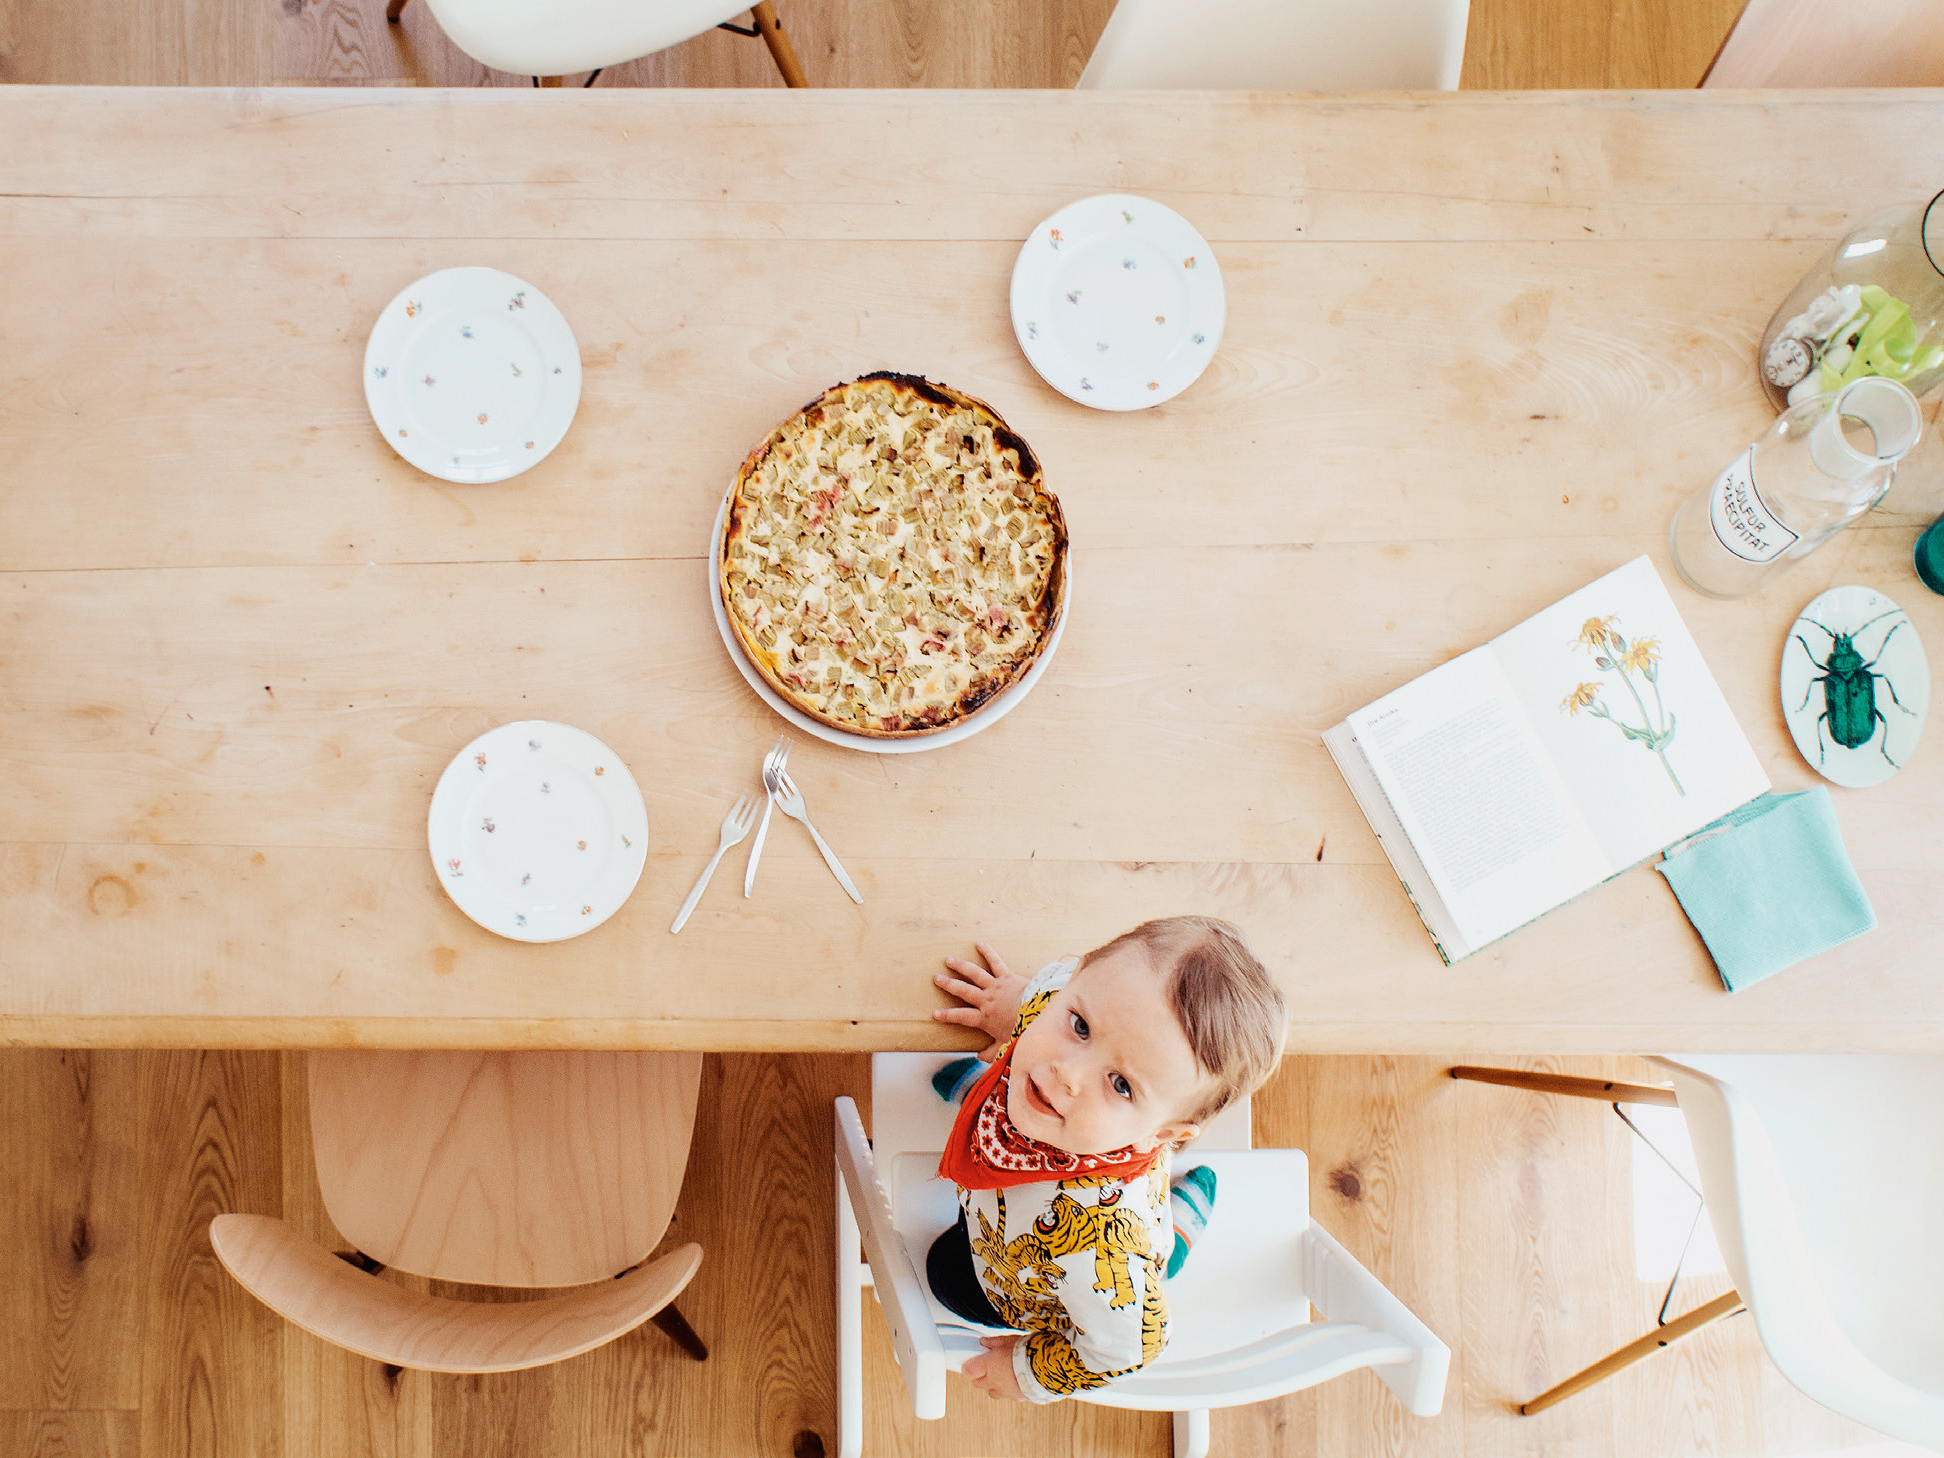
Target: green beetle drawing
1849 688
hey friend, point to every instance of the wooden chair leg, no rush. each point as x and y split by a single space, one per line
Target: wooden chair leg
1665 1336
676 1325
781 51
395 9
1606 1091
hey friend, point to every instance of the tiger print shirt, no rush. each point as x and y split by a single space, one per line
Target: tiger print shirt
1076 1264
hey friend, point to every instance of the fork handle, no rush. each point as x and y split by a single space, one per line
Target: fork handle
836 868
756 850
695 891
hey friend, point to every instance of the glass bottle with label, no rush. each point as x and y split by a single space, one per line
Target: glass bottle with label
1873 306
1822 464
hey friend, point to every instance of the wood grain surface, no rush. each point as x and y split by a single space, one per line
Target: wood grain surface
1503 1217
396 1326
535 1169
1479 349
1511 44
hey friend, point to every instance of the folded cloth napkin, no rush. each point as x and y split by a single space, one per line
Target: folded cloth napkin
1768 885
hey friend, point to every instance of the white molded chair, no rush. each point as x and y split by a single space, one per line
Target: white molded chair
1239 1313
566 37
1823 1177
1281 45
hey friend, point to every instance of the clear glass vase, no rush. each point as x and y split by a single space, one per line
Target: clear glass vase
1873 306
1825 461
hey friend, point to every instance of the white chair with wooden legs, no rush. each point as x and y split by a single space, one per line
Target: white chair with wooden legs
497 1169
1239 1312
1280 45
565 37
1823 1175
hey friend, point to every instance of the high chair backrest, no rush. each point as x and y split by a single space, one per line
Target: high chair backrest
1239 1312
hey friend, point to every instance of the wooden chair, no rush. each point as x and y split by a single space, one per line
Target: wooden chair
1239 1312
1844 1281
1791 43
562 37
501 1169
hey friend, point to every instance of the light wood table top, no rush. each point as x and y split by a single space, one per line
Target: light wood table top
1478 348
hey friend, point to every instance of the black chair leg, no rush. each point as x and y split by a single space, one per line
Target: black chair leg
676 1325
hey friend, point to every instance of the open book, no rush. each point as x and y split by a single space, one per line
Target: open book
1520 774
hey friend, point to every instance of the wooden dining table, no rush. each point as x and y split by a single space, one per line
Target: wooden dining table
1478 348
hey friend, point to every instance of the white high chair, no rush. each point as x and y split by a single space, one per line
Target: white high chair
1239 1313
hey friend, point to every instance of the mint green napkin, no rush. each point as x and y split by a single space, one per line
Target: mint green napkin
1768 885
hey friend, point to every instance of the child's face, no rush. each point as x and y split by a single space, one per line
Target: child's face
1105 1064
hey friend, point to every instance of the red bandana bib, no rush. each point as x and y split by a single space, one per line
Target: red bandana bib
986 1152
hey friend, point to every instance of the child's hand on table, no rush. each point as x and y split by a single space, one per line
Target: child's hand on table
992 1370
992 994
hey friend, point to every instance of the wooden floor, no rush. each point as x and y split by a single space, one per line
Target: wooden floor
1502 1218
1512 44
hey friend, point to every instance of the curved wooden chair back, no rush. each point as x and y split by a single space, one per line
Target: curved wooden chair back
333 1299
503 1169
1789 43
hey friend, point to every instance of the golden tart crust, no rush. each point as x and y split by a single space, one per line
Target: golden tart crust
891 558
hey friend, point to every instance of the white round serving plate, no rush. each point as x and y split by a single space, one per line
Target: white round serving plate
472 375
538 831
984 717
1886 640
1118 302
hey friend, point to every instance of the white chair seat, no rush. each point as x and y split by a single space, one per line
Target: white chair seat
565 37
1281 45
1824 1181
1239 1314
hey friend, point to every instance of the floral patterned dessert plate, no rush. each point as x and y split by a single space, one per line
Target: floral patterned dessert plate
538 831
1855 686
1117 302
472 375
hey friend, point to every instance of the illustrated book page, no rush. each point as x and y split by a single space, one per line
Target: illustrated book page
1521 774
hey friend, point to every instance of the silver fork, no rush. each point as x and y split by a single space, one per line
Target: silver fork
789 799
735 825
773 762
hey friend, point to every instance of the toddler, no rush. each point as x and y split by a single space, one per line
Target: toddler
1100 1067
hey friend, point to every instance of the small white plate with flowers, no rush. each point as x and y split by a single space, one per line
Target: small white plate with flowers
472 375
538 831
1117 302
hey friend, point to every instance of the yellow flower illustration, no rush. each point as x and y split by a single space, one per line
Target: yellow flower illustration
1641 655
1579 698
1593 632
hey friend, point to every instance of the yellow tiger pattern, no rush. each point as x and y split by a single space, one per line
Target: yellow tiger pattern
1022 1276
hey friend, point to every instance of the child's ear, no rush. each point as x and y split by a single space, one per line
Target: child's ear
1176 1134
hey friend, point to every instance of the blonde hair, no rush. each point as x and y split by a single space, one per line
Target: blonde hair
1228 1005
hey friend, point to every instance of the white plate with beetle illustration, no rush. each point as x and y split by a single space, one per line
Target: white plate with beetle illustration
1855 686
472 375
538 831
984 717
1118 302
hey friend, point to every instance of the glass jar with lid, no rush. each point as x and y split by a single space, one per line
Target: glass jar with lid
1873 306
